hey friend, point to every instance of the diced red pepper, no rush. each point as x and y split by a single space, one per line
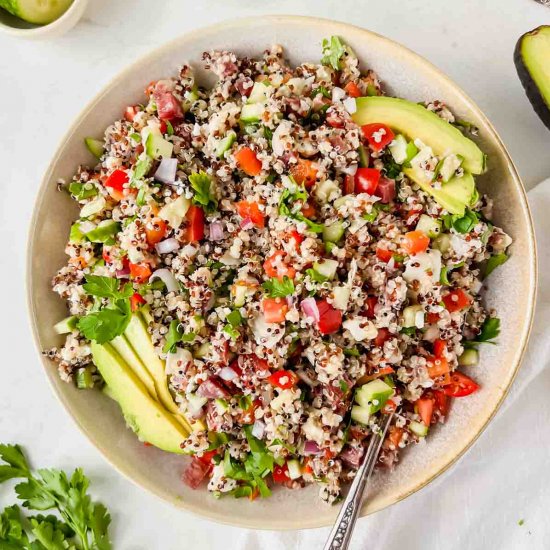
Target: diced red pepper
456 300
251 210
116 180
425 408
437 366
280 474
275 310
140 273
275 266
415 242
304 172
352 89
194 231
366 180
383 254
308 210
136 300
155 230
440 347
330 318
283 379
371 303
248 162
383 335
295 238
378 135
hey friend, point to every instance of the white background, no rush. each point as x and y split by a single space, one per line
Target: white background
43 86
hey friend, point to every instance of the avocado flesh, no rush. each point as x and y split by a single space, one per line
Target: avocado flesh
140 340
125 350
39 13
532 60
415 121
147 418
453 195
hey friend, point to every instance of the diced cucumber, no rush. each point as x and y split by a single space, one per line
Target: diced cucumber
326 268
66 325
146 314
175 211
469 358
442 243
410 314
363 157
373 395
75 235
189 98
449 166
430 226
398 149
260 92
418 428
226 143
93 207
360 414
222 405
412 151
38 12
341 297
340 201
334 232
195 402
84 379
104 232
252 112
294 470
95 146
326 190
156 146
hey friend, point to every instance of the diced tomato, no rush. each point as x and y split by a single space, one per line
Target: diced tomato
116 180
275 266
248 162
415 242
425 408
150 87
349 185
131 112
307 468
140 273
155 230
352 89
383 254
194 231
372 302
330 318
304 172
280 474
456 300
283 379
247 416
383 371
251 210
378 135
437 366
441 402
460 386
295 238
136 300
395 435
207 457
432 318
106 256
440 347
163 127
383 335
386 190
275 310
366 180
308 210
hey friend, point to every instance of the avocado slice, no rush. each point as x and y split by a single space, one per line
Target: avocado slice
532 60
138 337
147 418
40 13
453 195
125 350
415 121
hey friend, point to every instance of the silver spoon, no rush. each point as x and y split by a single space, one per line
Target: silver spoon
340 535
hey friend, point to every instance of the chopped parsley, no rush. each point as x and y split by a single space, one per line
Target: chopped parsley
235 318
493 262
175 335
231 331
321 90
277 288
169 128
333 51
461 224
141 169
445 270
288 208
489 331
201 184
316 276
81 191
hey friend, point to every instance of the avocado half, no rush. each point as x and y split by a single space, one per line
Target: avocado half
532 60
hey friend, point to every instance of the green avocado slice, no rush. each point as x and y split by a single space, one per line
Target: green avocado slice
415 121
147 418
40 13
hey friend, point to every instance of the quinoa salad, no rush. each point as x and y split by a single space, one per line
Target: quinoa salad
272 275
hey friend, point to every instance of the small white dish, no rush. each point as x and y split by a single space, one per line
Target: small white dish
22 29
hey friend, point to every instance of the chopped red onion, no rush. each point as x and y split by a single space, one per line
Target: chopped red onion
247 224
123 273
311 448
167 246
216 231
228 374
310 309
166 172
350 105
258 429
167 277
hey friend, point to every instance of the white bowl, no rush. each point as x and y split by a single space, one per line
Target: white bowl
511 290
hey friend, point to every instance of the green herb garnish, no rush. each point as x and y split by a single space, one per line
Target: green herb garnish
81 191
493 262
201 184
333 51
490 329
176 335
277 288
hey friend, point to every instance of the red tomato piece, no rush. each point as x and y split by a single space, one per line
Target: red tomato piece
275 310
155 231
248 162
456 300
352 89
131 112
295 238
441 402
432 318
283 379
378 135
140 273
195 224
136 300
415 242
384 255
280 474
460 386
383 335
440 347
275 266
308 210
334 119
207 457
330 318
372 302
304 172
437 366
425 408
366 180
251 210
116 180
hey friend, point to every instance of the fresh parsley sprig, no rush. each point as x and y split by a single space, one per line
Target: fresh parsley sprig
490 329
82 525
333 51
201 183
279 288
289 205
175 335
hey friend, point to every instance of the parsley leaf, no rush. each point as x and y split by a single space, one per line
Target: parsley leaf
202 185
351 352
493 262
288 208
106 287
461 224
277 288
141 169
489 331
175 335
106 324
445 270
81 191
15 463
231 331
235 318
321 90
315 276
333 51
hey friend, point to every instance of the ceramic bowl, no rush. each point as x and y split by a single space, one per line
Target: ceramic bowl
511 290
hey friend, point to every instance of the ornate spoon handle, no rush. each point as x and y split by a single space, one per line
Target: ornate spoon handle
340 535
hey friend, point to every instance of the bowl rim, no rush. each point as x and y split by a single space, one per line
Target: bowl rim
339 28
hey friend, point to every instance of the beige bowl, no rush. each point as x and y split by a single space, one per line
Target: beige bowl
511 290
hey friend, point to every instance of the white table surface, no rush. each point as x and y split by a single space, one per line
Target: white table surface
43 86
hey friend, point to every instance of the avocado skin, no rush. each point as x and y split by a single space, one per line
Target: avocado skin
540 103
147 418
